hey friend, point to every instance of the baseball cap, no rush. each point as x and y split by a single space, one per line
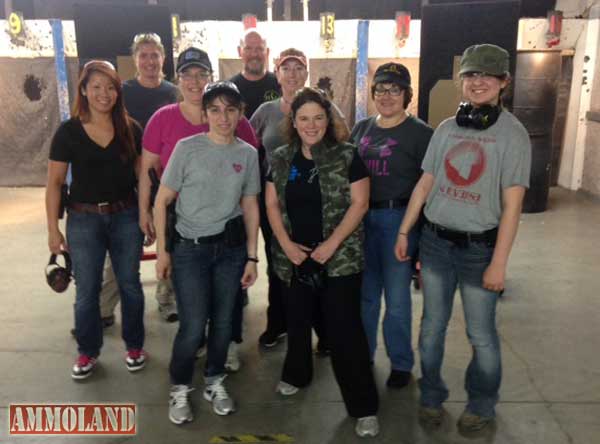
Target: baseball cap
212 90
193 57
290 54
486 57
392 73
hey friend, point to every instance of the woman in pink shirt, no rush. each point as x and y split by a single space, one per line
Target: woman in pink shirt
164 129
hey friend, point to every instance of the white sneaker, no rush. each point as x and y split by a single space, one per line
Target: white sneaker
233 357
367 426
286 389
180 410
217 394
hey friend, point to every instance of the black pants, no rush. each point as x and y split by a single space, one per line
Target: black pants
340 305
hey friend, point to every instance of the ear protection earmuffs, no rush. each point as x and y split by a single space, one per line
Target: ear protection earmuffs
59 277
480 118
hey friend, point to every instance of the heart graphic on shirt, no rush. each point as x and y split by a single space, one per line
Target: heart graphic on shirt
237 167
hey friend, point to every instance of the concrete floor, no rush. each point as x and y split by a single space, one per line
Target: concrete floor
549 320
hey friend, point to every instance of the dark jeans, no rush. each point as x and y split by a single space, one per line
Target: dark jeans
206 278
340 305
90 237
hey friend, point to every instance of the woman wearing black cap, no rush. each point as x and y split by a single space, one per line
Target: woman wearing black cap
392 144
476 171
216 180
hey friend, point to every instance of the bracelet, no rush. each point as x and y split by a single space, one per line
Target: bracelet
253 259
402 234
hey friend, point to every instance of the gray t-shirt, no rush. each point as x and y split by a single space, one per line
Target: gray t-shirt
267 122
392 155
471 168
210 179
142 102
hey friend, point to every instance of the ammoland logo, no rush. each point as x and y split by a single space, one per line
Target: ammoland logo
72 419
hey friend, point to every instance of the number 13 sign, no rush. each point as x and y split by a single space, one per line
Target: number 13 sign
327 25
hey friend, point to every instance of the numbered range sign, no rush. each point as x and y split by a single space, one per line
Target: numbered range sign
15 24
327 25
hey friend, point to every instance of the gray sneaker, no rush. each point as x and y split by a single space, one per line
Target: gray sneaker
367 426
233 363
431 416
168 312
217 394
469 422
180 410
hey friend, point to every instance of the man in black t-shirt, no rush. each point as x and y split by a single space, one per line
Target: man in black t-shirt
256 84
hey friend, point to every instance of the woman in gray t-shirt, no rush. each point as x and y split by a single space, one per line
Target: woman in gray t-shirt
475 173
215 178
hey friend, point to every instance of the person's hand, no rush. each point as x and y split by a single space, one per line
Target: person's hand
250 275
324 251
401 248
163 266
56 242
493 277
296 253
147 227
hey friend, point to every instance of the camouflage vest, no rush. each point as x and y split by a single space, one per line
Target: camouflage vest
333 164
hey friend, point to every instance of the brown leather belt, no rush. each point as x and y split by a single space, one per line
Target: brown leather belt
104 207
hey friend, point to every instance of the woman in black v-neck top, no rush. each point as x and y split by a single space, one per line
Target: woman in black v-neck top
101 145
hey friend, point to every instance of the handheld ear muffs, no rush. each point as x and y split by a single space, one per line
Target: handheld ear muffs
480 118
59 277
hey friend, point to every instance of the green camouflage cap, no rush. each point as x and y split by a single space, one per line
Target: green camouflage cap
484 58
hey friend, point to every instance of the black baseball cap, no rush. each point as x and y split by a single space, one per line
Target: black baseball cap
193 57
392 73
211 90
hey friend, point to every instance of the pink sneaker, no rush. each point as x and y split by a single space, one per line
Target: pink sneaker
83 368
135 360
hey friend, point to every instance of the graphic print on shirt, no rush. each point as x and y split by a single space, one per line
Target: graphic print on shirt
376 156
237 167
295 173
464 165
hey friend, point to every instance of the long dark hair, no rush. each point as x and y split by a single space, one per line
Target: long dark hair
335 132
122 123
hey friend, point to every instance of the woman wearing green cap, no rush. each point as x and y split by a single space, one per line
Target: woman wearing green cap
476 171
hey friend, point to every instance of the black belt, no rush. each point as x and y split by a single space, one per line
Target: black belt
388 204
202 240
462 236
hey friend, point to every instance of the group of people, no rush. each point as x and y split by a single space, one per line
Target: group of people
344 216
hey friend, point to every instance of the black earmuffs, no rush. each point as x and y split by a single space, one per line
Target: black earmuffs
480 118
59 277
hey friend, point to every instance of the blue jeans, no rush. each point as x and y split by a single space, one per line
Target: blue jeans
445 266
384 272
206 278
90 236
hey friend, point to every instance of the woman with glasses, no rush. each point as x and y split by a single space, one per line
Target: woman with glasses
316 196
475 174
215 178
170 124
392 144
101 143
291 71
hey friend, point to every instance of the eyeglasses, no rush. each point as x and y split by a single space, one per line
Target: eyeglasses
485 76
393 91
189 77
147 37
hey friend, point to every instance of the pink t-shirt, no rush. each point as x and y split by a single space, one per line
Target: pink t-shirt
167 126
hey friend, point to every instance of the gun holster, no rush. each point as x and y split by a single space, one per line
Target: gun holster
170 232
64 200
235 232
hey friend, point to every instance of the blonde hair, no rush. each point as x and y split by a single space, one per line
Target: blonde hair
148 38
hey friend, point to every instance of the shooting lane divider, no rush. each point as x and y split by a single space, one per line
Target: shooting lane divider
362 70
250 438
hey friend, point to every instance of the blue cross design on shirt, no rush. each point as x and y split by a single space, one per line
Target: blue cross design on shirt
294 174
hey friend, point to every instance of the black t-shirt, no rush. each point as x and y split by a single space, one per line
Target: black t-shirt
257 92
99 174
393 156
303 197
142 102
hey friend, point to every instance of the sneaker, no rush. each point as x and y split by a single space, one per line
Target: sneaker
217 394
430 416
270 339
83 368
286 389
106 322
233 357
367 426
168 312
469 422
399 379
180 410
135 359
